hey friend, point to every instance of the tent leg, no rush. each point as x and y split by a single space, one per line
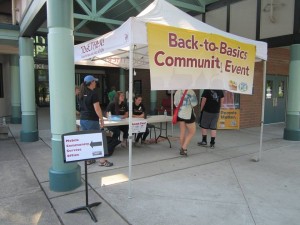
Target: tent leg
258 157
130 119
172 103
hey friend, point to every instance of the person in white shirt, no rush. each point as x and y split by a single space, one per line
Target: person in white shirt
186 118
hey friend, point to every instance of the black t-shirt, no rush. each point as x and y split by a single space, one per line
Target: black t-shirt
138 109
77 102
213 100
87 110
123 108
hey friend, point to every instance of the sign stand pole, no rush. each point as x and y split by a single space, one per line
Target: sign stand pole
87 206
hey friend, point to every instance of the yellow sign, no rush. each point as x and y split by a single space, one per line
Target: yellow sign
229 119
188 59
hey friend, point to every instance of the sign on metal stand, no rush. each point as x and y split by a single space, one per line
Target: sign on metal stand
84 145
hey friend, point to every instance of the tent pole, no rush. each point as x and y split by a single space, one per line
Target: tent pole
172 100
130 119
262 112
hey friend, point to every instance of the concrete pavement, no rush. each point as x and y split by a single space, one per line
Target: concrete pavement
222 186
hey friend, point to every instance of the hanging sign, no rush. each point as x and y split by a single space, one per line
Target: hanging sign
188 59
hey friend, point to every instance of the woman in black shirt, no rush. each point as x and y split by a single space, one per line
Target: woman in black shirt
138 111
118 107
90 111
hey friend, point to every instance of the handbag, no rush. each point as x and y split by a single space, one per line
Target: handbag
175 115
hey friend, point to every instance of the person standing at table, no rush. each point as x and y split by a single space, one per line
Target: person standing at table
138 111
90 111
186 117
119 107
210 106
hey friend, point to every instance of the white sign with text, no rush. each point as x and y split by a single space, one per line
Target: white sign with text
139 126
79 146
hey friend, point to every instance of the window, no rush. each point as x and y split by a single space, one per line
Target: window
231 100
40 47
1 82
281 89
137 87
269 89
42 87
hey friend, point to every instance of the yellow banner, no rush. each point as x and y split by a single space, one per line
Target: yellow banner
187 59
229 119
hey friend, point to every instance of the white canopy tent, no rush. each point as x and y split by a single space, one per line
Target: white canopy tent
112 49
127 47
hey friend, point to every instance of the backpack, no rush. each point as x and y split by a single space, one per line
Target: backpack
111 144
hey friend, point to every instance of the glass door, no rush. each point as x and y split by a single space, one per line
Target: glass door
275 99
42 88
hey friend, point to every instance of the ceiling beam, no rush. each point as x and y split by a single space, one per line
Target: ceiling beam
220 4
93 15
97 19
94 6
35 15
135 5
76 34
110 26
104 10
188 6
201 3
84 7
106 7
87 3
79 25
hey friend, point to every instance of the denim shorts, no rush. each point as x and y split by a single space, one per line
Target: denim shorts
89 125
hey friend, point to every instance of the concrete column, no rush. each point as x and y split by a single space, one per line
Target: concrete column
16 116
292 130
29 132
62 176
153 102
122 80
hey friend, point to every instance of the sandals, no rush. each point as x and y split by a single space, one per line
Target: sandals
183 152
106 163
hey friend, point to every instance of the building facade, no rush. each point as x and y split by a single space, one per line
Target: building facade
37 66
